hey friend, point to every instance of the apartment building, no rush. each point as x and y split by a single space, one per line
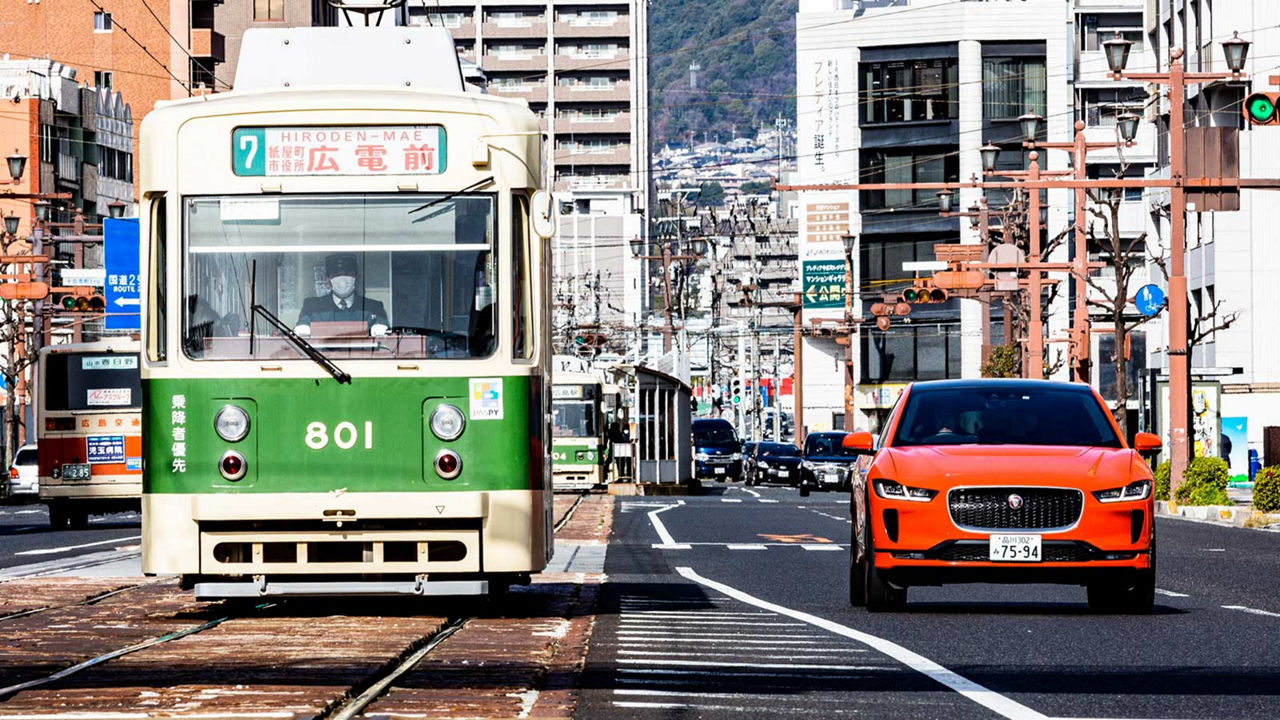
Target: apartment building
582 69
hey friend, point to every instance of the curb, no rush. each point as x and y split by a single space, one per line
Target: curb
1231 515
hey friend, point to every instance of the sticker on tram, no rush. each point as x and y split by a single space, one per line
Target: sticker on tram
105 449
354 150
133 463
486 399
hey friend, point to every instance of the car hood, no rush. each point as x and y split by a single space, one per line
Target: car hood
1023 464
781 459
716 449
837 459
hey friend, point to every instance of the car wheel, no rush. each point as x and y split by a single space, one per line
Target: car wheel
804 489
78 517
881 596
58 517
857 572
1136 598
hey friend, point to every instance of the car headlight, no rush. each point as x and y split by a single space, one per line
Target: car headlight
447 422
763 464
806 465
702 457
737 456
231 423
1133 491
891 490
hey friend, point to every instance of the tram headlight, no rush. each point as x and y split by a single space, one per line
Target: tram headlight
447 422
231 423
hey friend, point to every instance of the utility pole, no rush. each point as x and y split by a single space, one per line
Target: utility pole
797 368
776 387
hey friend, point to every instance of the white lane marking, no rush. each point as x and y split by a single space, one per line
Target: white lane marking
746 546
668 542
767 500
1170 593
802 653
65 548
686 546
764 666
1215 549
1251 611
666 634
730 499
29 512
690 613
749 490
681 706
989 699
648 642
719 674
822 547
642 624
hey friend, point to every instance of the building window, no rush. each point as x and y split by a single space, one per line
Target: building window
1012 86
1102 105
102 22
909 91
907 354
268 10
102 78
937 165
1097 29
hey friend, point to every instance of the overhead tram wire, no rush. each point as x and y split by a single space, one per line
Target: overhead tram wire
191 57
142 47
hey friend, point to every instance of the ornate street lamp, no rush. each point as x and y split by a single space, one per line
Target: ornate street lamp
116 209
698 246
11 224
1128 124
637 247
42 210
1117 49
17 164
1030 124
989 154
945 198
1236 51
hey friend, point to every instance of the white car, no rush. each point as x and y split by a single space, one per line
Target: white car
24 474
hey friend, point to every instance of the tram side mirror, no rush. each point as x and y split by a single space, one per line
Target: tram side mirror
543 214
861 442
1147 443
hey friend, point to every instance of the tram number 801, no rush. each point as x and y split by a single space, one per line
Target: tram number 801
345 435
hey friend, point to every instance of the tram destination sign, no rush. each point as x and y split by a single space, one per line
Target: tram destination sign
351 150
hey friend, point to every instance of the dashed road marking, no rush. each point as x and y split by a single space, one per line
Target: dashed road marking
1170 593
1251 611
747 546
822 547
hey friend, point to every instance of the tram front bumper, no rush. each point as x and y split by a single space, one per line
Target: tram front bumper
356 533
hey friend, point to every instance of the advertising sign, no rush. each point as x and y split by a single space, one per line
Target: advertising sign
1206 430
824 283
105 449
375 150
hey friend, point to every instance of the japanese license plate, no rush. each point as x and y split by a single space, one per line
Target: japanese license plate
719 471
831 478
75 472
1015 548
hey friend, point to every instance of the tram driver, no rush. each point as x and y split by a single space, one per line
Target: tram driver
343 303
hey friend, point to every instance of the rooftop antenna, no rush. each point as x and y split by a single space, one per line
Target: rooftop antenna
370 9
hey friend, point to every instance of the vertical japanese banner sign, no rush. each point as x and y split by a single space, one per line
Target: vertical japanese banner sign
120 248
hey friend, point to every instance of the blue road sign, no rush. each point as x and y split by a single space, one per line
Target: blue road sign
120 248
1149 299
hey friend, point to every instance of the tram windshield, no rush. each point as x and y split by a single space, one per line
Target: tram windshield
574 418
359 276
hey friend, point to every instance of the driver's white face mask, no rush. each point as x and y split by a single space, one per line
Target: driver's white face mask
343 285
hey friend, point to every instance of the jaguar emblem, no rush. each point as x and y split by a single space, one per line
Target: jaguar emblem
1015 502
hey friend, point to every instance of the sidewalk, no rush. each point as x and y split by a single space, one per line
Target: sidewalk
1233 515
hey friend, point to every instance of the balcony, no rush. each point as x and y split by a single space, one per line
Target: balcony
618 92
513 29
588 29
578 125
530 62
463 30
620 155
530 93
208 43
619 60
593 182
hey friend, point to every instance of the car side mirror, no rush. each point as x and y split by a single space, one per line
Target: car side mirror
861 442
1147 443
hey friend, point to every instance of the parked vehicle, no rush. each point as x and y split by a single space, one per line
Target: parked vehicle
776 462
24 473
1005 481
717 450
749 460
827 462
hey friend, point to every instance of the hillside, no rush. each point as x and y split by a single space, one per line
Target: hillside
745 50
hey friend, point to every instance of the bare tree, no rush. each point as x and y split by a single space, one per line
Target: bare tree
15 341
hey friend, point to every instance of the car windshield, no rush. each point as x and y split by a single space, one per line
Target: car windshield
780 450
358 276
977 415
713 436
827 445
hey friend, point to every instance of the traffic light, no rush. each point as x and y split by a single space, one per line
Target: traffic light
737 391
1260 108
923 294
80 300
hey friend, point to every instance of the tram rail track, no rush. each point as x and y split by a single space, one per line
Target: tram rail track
92 600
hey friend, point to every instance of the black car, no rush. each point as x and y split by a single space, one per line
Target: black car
775 462
827 463
717 450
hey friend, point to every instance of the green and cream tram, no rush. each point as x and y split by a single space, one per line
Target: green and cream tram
345 350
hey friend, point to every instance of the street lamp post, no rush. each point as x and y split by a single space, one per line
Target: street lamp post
849 383
1117 53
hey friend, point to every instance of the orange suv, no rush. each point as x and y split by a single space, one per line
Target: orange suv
1002 481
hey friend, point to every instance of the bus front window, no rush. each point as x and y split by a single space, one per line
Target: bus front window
359 276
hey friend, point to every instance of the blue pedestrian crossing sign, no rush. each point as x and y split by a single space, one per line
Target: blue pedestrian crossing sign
1149 299
120 250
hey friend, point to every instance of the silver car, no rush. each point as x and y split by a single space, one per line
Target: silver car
24 473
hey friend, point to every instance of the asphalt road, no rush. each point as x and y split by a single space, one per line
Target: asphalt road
735 605
29 547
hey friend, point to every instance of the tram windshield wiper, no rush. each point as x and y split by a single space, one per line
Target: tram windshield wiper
473 186
307 348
